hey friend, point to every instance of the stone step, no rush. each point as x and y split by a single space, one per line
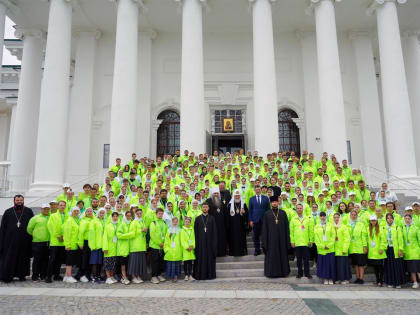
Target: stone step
240 259
249 264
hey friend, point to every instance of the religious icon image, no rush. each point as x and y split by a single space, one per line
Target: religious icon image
228 124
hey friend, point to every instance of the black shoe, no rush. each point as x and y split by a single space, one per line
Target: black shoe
58 278
257 252
309 276
356 281
361 281
298 276
48 280
22 279
35 279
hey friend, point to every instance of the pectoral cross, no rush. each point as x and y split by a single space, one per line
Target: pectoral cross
277 221
205 230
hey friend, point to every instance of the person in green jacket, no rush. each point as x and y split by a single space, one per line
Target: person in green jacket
341 249
358 245
324 239
411 234
377 245
57 251
188 246
393 266
95 239
109 247
84 270
301 238
173 250
137 268
71 244
158 230
38 229
123 244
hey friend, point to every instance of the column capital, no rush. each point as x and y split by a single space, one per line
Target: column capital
22 32
313 3
202 2
156 123
140 4
377 3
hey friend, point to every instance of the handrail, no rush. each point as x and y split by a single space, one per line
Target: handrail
85 180
388 175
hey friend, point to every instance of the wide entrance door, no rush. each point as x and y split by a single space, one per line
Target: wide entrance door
228 143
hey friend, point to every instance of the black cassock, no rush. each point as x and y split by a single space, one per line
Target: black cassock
221 218
15 244
237 230
275 243
225 196
205 247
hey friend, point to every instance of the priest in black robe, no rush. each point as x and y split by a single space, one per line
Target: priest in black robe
275 241
238 222
205 245
218 210
224 193
15 242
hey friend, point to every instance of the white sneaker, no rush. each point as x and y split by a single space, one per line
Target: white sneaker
71 280
109 281
337 282
161 279
114 280
126 281
191 278
344 282
389 286
154 280
415 285
65 279
330 282
325 281
186 278
137 280
84 279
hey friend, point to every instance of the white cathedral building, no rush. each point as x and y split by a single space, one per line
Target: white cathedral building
102 79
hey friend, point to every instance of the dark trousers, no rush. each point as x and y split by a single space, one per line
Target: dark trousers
257 233
158 264
379 273
40 262
188 264
57 257
84 269
302 254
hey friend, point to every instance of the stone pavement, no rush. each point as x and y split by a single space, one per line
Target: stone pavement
215 297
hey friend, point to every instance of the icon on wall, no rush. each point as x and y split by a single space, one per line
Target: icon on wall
227 124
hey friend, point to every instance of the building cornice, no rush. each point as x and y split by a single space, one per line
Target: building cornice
22 32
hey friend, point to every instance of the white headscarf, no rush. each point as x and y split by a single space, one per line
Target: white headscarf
232 202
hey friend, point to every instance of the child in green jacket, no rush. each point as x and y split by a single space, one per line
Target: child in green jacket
123 244
188 246
137 258
377 245
411 235
95 240
158 230
173 250
71 243
324 240
109 247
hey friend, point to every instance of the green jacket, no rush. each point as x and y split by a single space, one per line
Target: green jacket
395 238
358 237
301 231
324 236
376 243
172 246
411 236
158 230
124 235
38 228
187 240
84 230
342 240
71 233
55 227
109 240
138 242
96 231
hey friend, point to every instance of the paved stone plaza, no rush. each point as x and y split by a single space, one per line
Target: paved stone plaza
213 297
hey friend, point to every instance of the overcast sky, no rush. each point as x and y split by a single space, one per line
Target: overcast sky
9 31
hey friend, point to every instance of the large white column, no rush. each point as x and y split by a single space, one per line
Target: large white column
145 90
80 112
265 85
396 103
192 121
333 126
52 128
11 131
124 89
373 147
311 92
411 50
3 10
25 127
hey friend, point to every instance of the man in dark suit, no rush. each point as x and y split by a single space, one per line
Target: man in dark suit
258 205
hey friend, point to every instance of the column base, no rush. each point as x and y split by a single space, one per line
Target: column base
43 189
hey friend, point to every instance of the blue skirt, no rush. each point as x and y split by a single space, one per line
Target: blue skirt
325 267
173 268
96 257
342 268
393 269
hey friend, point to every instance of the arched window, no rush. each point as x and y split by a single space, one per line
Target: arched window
168 133
288 132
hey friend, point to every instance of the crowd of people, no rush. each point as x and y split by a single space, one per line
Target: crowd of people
186 210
